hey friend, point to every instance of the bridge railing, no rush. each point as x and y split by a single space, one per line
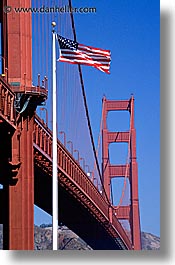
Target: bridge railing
67 163
43 139
42 136
7 98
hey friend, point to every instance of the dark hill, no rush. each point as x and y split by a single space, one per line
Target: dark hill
70 241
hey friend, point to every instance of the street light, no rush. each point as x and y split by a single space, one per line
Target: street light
81 158
64 135
46 114
92 178
71 144
39 80
76 151
96 182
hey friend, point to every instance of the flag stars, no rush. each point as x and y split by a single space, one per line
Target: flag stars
67 44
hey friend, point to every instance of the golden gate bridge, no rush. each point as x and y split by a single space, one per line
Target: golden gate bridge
85 201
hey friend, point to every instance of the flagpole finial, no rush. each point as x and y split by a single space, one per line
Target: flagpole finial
53 25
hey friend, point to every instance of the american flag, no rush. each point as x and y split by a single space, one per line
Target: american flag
76 53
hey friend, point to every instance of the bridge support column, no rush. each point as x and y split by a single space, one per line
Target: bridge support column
135 216
21 189
18 168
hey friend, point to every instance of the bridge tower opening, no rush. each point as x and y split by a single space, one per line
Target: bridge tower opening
128 212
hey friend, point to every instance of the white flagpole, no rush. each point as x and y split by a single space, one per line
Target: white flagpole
54 149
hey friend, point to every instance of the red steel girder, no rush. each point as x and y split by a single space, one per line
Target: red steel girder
123 212
118 137
119 170
111 105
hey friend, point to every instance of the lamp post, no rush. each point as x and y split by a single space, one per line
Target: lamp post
78 154
71 146
64 135
46 114
81 158
86 166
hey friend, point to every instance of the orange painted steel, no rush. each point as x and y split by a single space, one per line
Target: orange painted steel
119 170
135 214
128 212
123 212
21 195
119 137
18 55
19 35
74 179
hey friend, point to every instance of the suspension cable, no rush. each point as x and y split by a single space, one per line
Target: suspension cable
86 107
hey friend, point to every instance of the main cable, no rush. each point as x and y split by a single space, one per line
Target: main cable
86 107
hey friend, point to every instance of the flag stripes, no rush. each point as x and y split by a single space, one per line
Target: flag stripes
75 53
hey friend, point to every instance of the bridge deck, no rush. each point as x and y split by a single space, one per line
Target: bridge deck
80 202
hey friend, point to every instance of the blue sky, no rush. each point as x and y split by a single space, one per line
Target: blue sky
130 29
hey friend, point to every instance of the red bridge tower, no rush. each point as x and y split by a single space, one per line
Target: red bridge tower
129 212
17 168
